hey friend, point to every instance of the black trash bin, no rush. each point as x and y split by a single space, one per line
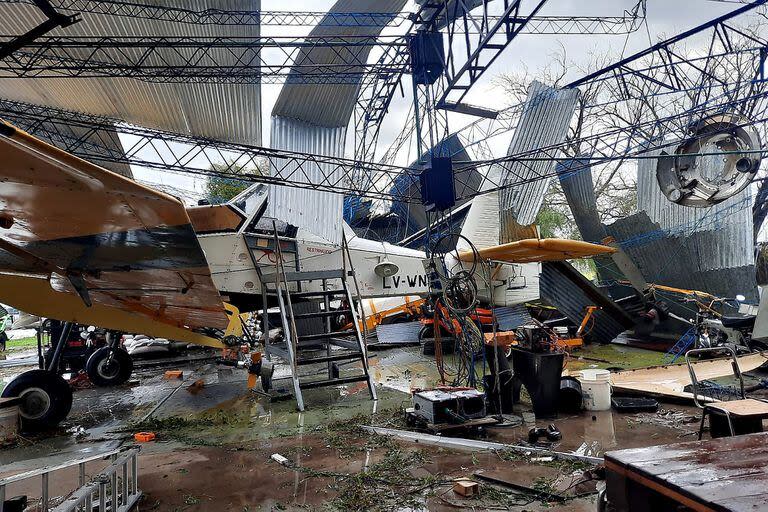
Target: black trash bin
540 373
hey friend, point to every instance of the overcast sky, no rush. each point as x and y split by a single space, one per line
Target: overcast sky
533 52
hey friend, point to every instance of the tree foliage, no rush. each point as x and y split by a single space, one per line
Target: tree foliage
220 189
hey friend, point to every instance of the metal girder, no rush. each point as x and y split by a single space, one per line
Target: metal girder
196 156
679 84
626 24
54 20
372 104
478 55
171 152
663 49
211 60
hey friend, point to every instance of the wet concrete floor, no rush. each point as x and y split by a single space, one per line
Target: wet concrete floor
214 445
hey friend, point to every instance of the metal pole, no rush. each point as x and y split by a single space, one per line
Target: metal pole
124 486
134 474
44 497
53 365
103 493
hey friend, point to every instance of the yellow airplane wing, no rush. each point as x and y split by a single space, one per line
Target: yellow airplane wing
537 250
80 243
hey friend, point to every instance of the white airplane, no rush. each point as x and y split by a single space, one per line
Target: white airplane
81 244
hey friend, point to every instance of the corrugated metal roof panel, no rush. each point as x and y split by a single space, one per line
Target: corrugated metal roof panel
680 259
225 112
729 224
580 193
510 318
544 122
313 118
406 333
331 104
559 290
318 212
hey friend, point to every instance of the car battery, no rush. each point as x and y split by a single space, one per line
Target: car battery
448 406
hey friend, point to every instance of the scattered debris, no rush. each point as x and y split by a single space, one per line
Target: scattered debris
174 374
144 437
196 386
9 420
466 487
279 459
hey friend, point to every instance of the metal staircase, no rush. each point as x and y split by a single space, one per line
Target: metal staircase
324 345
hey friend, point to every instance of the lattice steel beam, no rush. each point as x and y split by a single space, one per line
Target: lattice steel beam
213 60
468 58
165 151
628 23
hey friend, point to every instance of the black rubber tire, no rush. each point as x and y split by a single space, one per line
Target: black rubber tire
426 331
47 399
113 373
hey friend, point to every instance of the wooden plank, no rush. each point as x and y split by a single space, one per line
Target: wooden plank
670 380
726 489
745 503
659 487
748 407
702 475
671 451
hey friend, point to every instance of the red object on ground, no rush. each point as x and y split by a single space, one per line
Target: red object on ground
144 437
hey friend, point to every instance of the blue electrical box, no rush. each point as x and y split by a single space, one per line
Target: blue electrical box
427 56
437 187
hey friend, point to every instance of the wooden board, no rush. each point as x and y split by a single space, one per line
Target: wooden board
722 474
670 380
749 407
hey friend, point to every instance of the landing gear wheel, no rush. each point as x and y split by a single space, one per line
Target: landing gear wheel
46 399
109 366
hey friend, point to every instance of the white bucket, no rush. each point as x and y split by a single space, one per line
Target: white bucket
596 389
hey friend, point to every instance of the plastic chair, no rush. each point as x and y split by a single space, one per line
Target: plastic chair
744 409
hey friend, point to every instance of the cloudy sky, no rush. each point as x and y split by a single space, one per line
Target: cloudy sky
532 52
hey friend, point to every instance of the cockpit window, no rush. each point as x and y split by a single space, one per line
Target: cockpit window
251 199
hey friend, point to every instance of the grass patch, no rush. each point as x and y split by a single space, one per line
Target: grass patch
30 342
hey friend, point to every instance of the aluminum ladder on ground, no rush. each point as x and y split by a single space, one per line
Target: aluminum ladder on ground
119 480
338 346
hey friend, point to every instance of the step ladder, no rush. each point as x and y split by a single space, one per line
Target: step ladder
328 346
681 347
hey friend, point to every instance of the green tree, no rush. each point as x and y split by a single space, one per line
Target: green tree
220 189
